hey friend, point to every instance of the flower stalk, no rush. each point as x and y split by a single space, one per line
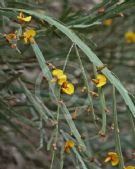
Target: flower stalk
116 131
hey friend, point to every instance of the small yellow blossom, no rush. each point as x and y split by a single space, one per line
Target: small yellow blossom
100 80
61 79
130 37
59 75
67 88
113 158
129 167
22 19
28 36
68 145
108 22
10 37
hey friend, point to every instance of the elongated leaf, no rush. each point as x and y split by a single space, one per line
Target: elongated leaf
44 67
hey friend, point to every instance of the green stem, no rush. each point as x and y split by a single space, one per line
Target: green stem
56 135
103 108
102 105
87 85
116 131
52 160
67 57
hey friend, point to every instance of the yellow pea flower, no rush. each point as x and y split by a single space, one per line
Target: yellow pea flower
68 145
108 22
67 88
113 158
130 37
59 75
61 79
10 37
28 36
129 167
100 80
22 19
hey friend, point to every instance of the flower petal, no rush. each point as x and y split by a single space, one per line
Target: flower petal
102 80
129 167
107 159
62 79
57 72
27 19
67 88
22 18
68 145
113 158
28 35
115 161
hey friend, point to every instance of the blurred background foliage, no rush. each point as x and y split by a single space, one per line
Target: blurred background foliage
27 139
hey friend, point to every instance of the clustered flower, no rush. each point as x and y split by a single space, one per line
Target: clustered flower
61 79
28 35
68 88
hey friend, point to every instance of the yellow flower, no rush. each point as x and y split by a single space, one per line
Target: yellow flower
130 37
23 19
113 158
10 37
100 80
68 145
28 36
61 79
59 75
129 167
67 88
108 22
